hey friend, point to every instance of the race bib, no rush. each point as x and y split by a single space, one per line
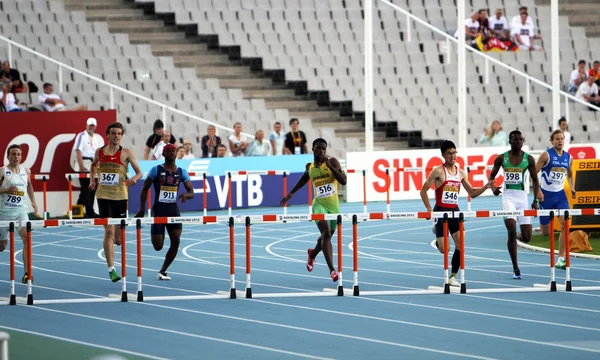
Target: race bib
297 150
168 194
325 190
450 195
557 175
15 199
109 179
513 176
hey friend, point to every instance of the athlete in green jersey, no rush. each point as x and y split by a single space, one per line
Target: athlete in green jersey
325 173
515 163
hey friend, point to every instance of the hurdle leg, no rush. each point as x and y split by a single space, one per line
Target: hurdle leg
248 284
552 269
568 286
355 289
446 248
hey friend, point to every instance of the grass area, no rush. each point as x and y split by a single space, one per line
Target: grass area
544 241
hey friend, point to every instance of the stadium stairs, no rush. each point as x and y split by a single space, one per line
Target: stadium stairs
584 13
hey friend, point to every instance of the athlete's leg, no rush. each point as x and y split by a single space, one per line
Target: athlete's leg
23 235
174 235
157 232
325 237
526 231
562 248
456 256
3 244
109 245
511 244
317 249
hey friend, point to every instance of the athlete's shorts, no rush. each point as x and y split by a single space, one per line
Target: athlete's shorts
112 208
21 216
513 200
159 229
553 200
453 226
320 209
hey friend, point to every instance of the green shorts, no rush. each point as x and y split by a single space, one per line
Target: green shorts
320 209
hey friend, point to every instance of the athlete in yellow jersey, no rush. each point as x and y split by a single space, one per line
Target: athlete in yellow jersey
325 173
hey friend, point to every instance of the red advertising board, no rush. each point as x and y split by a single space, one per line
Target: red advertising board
47 140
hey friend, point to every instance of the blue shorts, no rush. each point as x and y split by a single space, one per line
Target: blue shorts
553 200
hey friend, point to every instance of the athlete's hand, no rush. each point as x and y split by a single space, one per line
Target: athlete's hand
535 204
139 214
92 185
182 198
285 199
573 193
13 189
540 196
35 209
429 210
496 191
491 184
131 182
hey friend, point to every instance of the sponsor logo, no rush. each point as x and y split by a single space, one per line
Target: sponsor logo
507 213
191 219
76 222
402 215
294 217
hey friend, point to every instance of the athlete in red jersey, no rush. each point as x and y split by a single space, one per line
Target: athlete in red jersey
447 179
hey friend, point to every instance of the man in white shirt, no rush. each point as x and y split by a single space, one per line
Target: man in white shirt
471 27
588 92
187 145
562 124
259 147
158 149
8 98
498 24
277 139
52 102
86 144
516 20
578 77
524 35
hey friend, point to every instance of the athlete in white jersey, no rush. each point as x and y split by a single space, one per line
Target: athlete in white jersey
15 188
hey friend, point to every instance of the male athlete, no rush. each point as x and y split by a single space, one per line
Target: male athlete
166 179
447 179
515 163
14 180
325 173
555 164
111 162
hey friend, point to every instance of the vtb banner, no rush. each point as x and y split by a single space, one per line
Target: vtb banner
47 140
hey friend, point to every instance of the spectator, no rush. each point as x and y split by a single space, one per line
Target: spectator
595 72
238 143
494 135
562 124
517 21
524 35
498 24
578 76
588 92
295 140
52 102
8 98
187 145
471 27
484 23
277 138
221 151
13 75
259 147
86 144
181 152
209 143
158 149
155 138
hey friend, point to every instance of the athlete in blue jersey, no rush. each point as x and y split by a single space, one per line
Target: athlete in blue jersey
166 179
555 164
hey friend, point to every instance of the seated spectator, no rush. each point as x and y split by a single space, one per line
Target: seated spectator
8 98
578 76
52 102
588 92
238 143
494 135
155 138
524 35
259 147
498 24
516 20
484 23
295 140
187 145
12 75
209 143
562 124
221 151
181 153
277 138
595 72
471 27
158 149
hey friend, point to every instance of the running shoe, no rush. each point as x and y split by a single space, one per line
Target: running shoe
310 263
453 281
163 276
561 264
114 277
25 278
517 275
334 276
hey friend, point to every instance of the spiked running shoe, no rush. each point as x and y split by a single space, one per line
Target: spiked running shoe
517 275
163 276
114 277
25 278
310 263
561 264
334 276
453 282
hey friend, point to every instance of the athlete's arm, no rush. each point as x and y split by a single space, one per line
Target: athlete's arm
497 164
433 176
336 169
536 181
188 186
569 178
469 188
94 170
541 162
134 164
299 185
30 192
146 152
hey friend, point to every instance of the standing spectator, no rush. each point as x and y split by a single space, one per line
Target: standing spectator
524 35
277 139
295 140
516 20
13 75
562 124
180 153
471 27
52 102
588 92
498 24
595 72
494 135
209 143
8 98
238 143
259 147
155 138
578 76
187 145
157 152
86 144
221 151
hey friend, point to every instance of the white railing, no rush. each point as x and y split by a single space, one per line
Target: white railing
112 87
487 58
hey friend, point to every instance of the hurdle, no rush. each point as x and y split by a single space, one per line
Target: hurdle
43 177
364 182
